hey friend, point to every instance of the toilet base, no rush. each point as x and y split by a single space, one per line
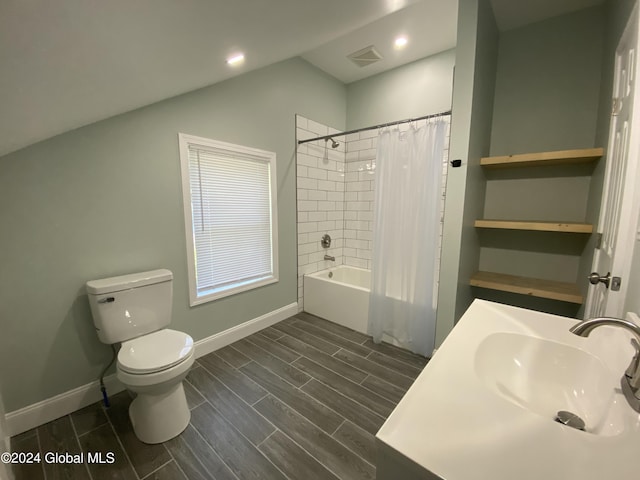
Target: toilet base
157 418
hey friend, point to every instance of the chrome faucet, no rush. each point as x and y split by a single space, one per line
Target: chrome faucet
329 257
631 379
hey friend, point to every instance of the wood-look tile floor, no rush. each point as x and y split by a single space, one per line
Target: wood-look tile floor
302 399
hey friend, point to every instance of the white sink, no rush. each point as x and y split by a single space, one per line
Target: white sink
546 377
484 406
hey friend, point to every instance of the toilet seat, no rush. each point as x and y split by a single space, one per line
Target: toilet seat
155 352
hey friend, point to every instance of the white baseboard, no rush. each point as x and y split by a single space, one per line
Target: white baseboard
233 334
65 403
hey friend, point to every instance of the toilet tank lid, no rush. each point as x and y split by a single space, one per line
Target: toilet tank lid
127 282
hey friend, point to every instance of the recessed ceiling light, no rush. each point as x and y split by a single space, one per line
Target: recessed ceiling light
236 59
401 42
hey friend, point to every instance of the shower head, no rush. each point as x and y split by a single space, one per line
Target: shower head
334 144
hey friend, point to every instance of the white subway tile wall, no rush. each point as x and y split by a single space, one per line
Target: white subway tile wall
320 193
335 196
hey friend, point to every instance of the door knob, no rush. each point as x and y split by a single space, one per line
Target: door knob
595 278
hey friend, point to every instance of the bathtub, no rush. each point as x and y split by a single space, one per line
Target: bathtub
339 294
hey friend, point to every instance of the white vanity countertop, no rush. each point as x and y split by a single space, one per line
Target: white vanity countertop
454 426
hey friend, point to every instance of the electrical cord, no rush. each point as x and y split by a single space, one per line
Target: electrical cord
103 389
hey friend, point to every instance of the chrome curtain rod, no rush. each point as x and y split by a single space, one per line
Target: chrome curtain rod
382 125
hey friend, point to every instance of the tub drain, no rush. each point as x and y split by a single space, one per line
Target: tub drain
570 420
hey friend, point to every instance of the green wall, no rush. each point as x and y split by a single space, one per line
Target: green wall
547 84
476 56
413 90
106 200
534 88
546 98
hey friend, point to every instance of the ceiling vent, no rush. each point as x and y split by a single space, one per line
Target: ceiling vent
366 56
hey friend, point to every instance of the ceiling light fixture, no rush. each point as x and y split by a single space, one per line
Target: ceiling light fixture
236 59
401 42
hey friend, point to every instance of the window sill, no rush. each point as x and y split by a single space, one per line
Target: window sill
218 293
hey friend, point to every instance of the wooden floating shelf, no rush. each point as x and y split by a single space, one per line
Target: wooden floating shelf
566 292
561 157
536 226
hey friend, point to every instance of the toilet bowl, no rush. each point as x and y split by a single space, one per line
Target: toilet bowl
153 360
153 367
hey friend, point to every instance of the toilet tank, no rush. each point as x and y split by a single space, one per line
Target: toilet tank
128 306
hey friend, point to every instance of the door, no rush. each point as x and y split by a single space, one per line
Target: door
612 261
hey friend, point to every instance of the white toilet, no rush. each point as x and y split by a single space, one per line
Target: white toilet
153 360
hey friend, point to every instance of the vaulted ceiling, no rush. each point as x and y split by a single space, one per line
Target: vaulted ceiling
68 63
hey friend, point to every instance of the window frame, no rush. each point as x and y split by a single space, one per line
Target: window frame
185 141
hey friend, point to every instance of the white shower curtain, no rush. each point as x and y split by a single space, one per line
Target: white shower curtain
406 225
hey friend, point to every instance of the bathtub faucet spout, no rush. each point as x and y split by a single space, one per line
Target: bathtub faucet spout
329 257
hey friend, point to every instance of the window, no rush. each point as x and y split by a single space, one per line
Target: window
230 217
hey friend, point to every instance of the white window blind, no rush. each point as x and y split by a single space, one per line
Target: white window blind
231 218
